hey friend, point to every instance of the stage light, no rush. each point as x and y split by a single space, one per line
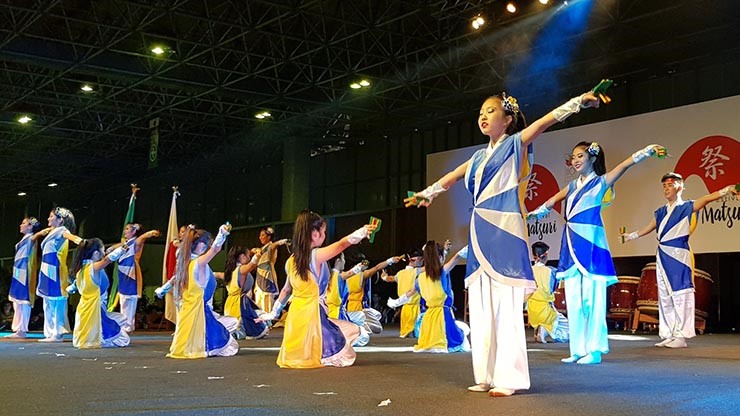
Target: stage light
544 1
21 193
511 7
355 86
161 50
263 115
86 88
24 119
52 185
477 22
365 83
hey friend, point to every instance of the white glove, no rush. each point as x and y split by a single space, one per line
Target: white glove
643 154
359 267
116 254
277 307
162 290
390 261
71 288
463 253
255 259
726 190
539 213
394 303
282 242
223 231
572 106
631 236
432 191
357 235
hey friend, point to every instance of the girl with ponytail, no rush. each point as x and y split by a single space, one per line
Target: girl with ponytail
585 261
95 327
239 285
199 332
25 273
439 332
312 339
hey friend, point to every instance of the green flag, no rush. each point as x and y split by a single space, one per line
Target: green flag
129 219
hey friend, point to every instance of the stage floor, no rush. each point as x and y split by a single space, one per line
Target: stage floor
634 379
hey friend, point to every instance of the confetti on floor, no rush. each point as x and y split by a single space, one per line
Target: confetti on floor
215 378
385 402
259 386
325 393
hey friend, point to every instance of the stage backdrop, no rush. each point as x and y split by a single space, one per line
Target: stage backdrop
702 141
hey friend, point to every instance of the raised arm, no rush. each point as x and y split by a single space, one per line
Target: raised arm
700 203
637 157
324 254
572 106
443 184
462 254
71 237
634 235
110 258
41 234
141 240
382 265
218 242
545 208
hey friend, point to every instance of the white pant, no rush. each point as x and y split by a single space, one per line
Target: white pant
358 318
585 299
676 311
56 321
497 336
21 315
128 309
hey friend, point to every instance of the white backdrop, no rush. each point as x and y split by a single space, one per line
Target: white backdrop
702 140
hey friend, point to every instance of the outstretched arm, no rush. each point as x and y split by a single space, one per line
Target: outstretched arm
383 265
700 203
462 254
327 253
637 157
641 232
442 185
545 208
41 234
142 238
218 242
71 237
573 106
109 258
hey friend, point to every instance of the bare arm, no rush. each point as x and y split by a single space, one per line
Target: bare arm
41 234
324 254
71 237
616 173
538 127
641 232
387 278
452 262
141 240
443 184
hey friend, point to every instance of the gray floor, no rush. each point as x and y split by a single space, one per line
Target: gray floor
634 379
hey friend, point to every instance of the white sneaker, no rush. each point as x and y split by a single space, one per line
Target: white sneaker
677 343
500 392
479 388
571 359
664 342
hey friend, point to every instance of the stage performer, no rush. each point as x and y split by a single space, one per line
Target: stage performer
312 339
439 332
266 287
95 327
543 317
239 285
585 261
25 272
675 221
406 280
199 332
498 267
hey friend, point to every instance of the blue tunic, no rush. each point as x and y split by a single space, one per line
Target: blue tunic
127 275
20 290
248 311
674 255
53 270
584 249
494 178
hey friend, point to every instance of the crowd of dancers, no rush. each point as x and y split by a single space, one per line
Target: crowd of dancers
328 314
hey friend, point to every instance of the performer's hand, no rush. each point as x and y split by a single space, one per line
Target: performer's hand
417 200
154 233
589 100
629 236
282 242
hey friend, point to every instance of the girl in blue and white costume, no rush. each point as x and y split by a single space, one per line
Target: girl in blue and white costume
675 221
585 261
53 272
25 271
130 279
499 270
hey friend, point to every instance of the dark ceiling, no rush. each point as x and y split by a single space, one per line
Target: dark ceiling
229 60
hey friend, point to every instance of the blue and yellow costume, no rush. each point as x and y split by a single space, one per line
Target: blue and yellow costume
94 326
406 280
311 339
438 331
199 333
52 282
335 292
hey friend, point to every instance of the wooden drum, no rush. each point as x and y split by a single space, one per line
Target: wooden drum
703 292
560 298
622 296
647 290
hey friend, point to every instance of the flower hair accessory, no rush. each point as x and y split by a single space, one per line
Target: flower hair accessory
33 221
594 149
191 227
509 103
62 212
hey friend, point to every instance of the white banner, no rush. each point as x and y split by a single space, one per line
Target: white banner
702 141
